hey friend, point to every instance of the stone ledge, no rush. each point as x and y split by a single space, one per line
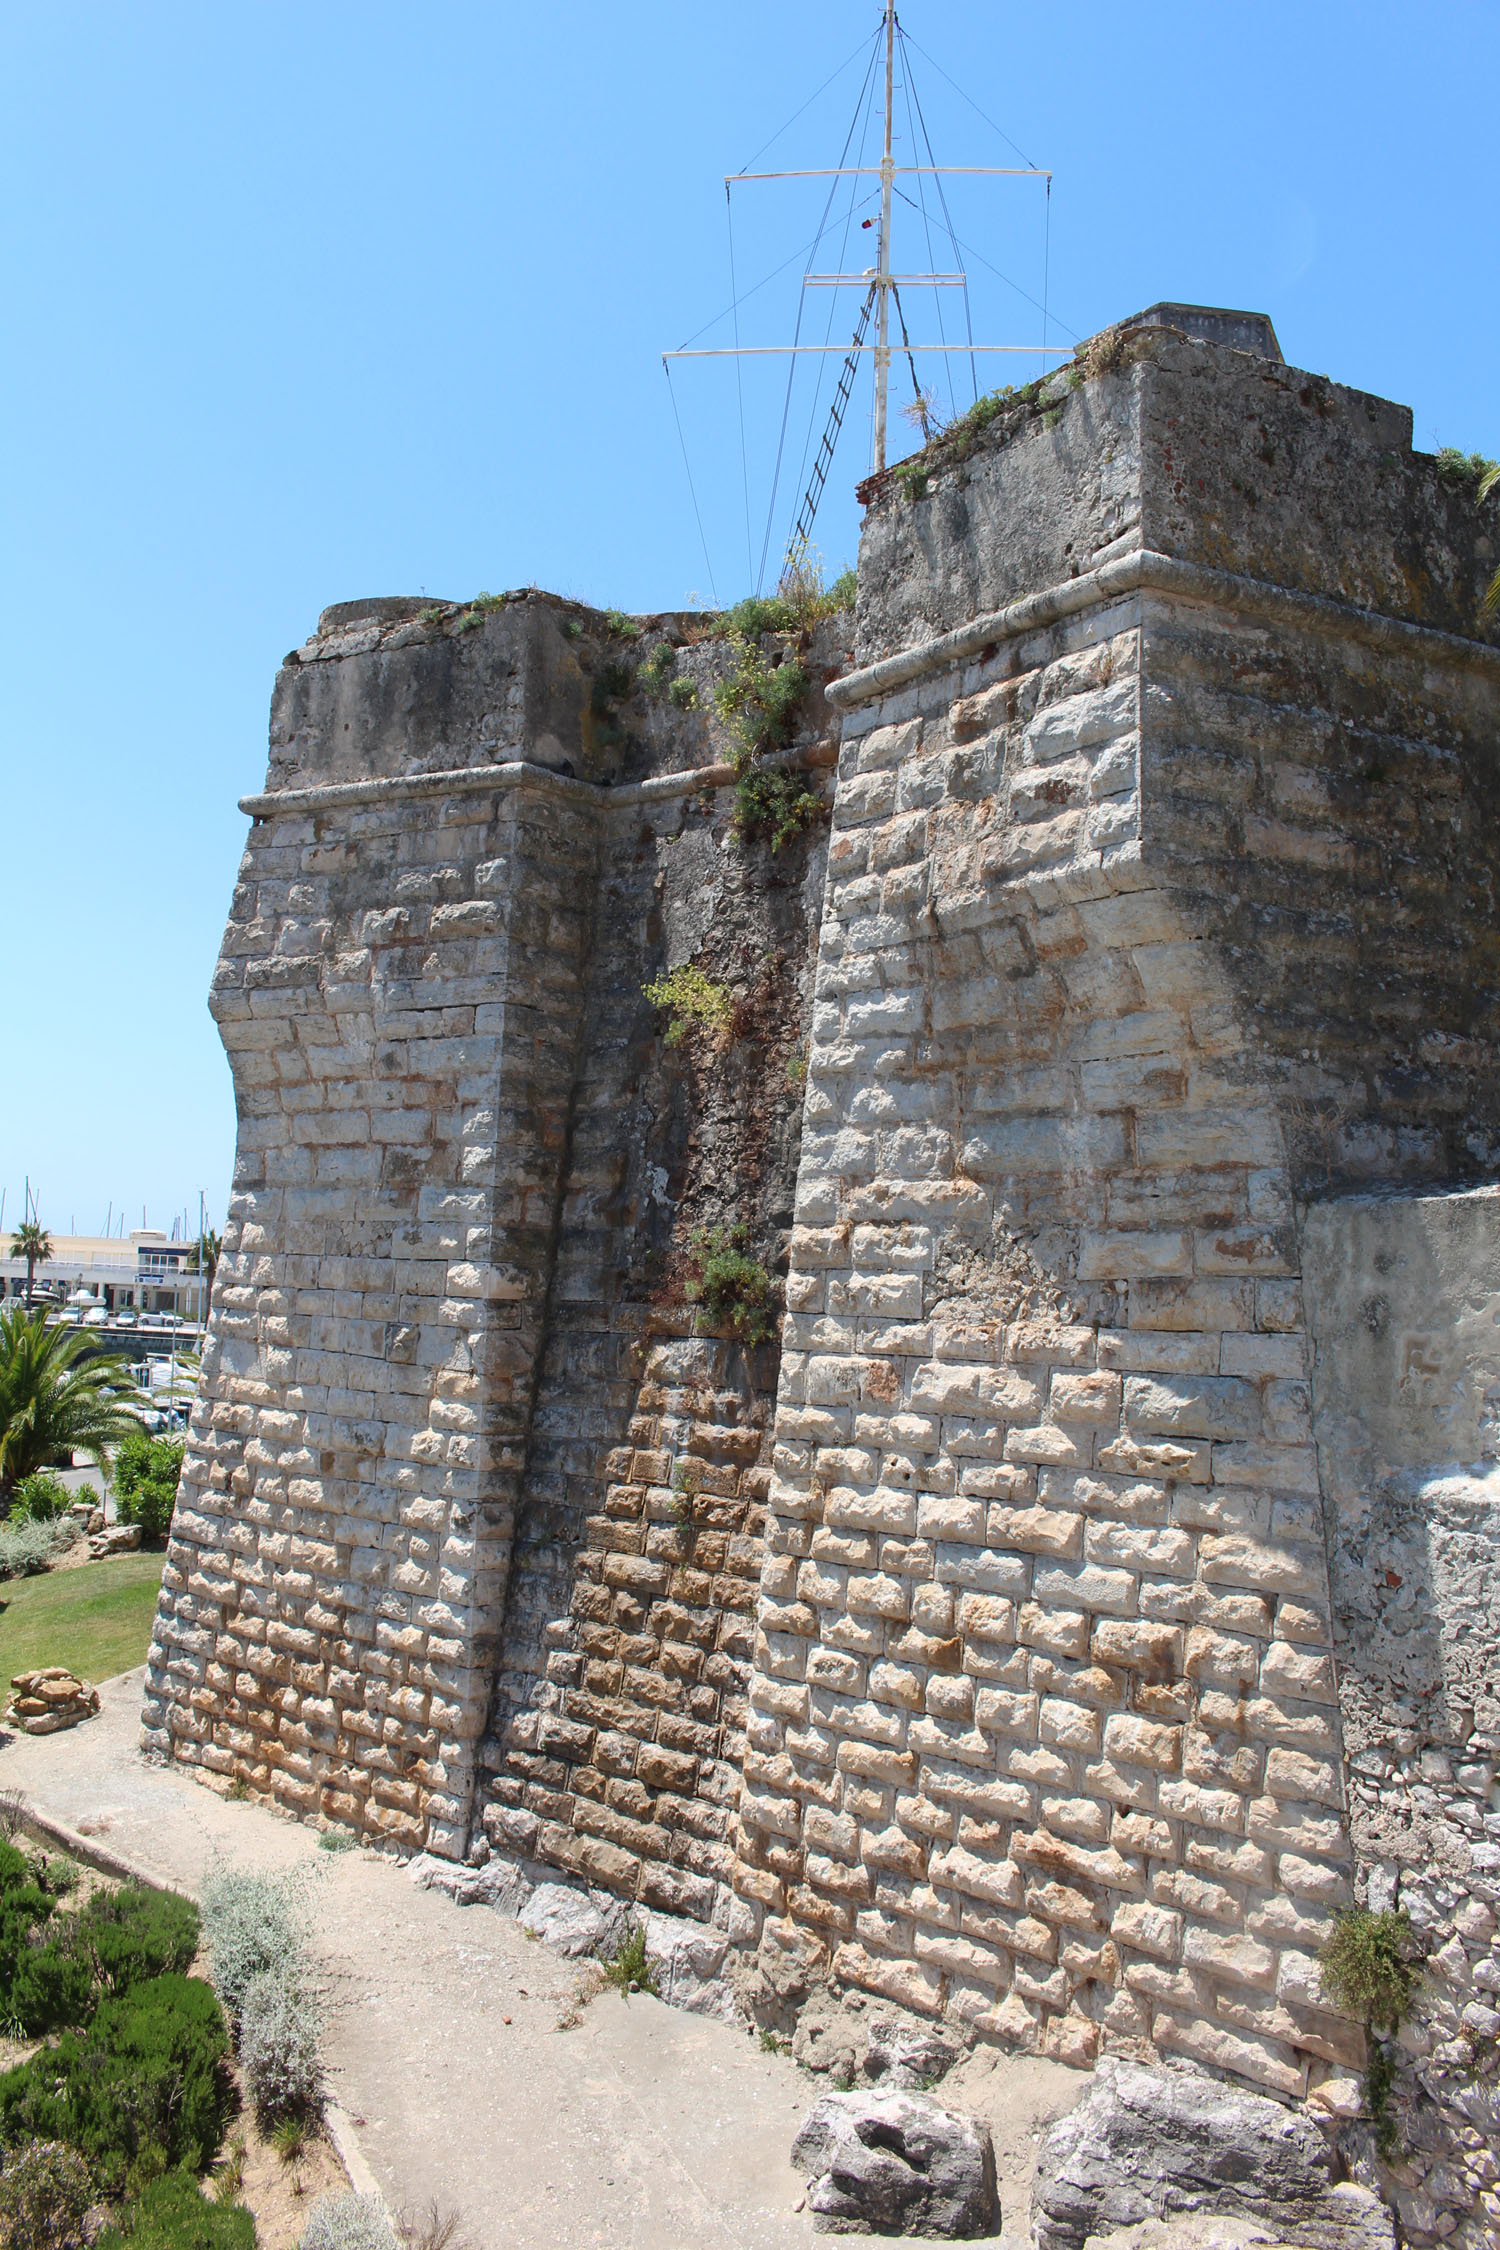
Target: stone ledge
1146 571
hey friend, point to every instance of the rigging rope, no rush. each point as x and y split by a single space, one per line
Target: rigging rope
666 369
914 97
937 294
978 112
796 113
1046 259
802 532
912 365
860 109
968 251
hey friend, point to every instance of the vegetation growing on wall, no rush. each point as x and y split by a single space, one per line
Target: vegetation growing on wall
1369 1970
735 1292
761 694
691 998
1459 470
658 668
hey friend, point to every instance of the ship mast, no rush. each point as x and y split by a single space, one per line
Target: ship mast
883 275
880 285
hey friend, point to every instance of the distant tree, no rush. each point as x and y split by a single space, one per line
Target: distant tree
33 1243
59 1395
1487 484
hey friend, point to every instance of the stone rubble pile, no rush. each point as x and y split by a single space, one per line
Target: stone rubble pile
688 1957
46 1701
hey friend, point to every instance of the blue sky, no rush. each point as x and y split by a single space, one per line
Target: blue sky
310 301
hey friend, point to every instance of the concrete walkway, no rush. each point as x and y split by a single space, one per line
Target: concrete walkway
642 2128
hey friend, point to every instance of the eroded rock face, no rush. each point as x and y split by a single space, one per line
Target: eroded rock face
897 2164
1152 2144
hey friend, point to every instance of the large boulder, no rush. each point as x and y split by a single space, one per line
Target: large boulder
897 2163
1152 2144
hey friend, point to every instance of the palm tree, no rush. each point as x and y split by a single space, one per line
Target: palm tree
33 1243
59 1395
1487 484
204 1258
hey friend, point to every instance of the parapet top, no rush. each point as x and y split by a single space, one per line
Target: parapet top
1213 324
378 609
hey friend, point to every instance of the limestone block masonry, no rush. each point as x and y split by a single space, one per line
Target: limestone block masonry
1157 924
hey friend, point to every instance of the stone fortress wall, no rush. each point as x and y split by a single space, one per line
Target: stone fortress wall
1125 1555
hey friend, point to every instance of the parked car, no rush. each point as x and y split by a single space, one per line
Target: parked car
98 1318
125 1320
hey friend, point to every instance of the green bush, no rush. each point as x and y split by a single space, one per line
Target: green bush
51 1988
172 2214
132 1934
772 803
145 1481
119 1940
45 2192
1458 469
24 1909
737 1293
144 2086
760 699
40 1498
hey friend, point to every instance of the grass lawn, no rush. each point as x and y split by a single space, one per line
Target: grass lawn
96 1619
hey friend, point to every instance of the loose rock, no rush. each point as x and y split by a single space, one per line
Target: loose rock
114 1539
1150 2144
897 2163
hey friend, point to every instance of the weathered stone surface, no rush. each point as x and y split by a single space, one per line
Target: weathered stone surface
568 1921
689 1964
975 1650
896 2164
1148 2144
901 2053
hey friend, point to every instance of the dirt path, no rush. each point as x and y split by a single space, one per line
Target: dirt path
643 2128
